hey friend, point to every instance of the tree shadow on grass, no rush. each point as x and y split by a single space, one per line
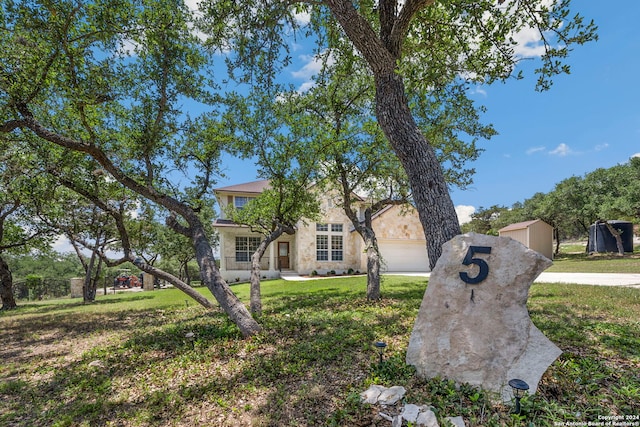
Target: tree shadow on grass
313 357
296 372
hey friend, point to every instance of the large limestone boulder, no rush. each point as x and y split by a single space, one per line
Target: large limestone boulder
473 325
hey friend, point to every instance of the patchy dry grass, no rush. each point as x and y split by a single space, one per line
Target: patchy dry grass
126 361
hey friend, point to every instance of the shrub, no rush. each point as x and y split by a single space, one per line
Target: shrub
36 287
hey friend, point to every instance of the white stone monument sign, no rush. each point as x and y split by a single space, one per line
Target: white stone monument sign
473 325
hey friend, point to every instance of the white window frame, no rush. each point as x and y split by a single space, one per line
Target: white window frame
239 202
246 245
329 242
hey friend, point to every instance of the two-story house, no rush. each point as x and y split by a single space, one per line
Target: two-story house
330 244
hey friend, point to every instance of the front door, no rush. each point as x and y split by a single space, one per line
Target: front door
283 255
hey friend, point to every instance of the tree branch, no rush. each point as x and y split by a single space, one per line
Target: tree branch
12 125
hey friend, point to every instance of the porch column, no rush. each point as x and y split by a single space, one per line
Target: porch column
223 261
272 256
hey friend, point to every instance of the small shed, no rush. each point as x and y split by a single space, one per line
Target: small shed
536 235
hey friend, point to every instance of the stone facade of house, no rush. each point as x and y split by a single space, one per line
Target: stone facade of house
398 230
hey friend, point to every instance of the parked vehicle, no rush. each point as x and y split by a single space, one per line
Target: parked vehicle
127 280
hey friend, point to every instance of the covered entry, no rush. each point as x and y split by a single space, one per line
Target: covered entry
283 256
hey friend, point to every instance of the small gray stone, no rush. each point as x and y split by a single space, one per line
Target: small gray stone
372 394
456 421
385 416
427 419
97 364
410 412
391 395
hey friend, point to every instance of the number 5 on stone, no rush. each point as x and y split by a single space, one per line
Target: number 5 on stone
482 264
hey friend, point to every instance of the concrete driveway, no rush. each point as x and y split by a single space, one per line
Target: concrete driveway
598 279
601 279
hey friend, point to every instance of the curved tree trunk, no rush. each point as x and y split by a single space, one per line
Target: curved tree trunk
6 287
96 278
373 267
210 274
255 298
616 235
382 51
212 278
177 283
430 192
365 230
184 271
88 289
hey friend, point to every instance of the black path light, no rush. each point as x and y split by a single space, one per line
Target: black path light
380 346
519 388
191 338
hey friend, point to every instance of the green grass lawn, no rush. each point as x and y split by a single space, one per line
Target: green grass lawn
573 259
126 361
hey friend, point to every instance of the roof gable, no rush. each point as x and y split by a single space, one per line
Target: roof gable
254 187
519 225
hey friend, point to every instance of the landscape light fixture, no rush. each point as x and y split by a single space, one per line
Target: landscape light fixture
191 337
519 388
380 346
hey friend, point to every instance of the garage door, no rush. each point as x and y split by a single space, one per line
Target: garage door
404 255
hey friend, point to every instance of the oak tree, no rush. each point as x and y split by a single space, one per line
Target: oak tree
109 80
267 129
410 48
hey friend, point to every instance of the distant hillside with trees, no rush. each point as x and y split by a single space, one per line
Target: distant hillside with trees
573 205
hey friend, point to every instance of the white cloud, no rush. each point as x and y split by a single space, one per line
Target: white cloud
561 150
601 147
528 43
306 86
636 155
312 66
464 213
302 18
533 150
479 90
193 5
62 245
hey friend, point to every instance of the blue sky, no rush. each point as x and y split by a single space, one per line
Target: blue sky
589 119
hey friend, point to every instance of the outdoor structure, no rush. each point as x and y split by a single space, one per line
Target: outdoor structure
536 235
601 239
77 287
329 245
